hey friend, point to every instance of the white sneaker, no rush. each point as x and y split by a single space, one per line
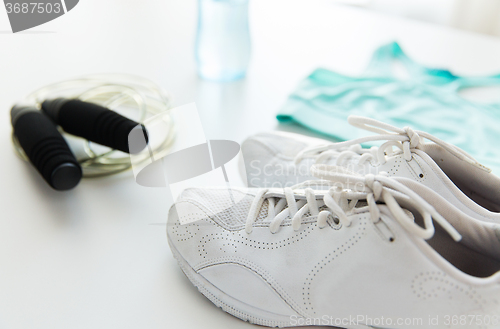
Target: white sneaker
283 159
283 257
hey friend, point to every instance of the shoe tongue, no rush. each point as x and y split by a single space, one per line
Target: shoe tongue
262 215
319 187
264 211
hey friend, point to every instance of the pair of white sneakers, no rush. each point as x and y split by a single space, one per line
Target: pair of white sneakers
405 235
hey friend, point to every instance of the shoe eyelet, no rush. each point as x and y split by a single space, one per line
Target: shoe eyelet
334 222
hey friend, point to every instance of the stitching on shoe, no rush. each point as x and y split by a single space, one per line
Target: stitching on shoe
182 232
393 171
272 283
422 167
261 245
216 236
412 172
266 276
443 286
224 306
328 259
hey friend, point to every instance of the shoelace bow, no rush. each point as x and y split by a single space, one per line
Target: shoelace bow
341 201
405 139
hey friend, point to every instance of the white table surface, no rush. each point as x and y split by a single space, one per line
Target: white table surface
91 258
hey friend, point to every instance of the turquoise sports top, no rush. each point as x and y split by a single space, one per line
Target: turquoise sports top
428 100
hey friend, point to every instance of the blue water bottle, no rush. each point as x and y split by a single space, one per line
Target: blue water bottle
223 39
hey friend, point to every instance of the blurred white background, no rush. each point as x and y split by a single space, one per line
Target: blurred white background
482 16
95 257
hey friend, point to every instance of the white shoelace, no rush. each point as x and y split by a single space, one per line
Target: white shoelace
340 202
405 140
